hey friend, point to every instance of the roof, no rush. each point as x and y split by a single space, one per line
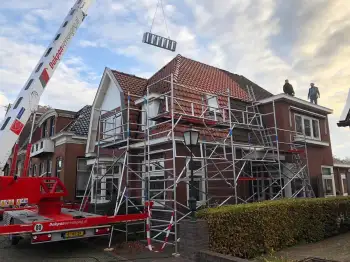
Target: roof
199 77
130 83
297 101
341 162
192 79
345 116
80 125
259 92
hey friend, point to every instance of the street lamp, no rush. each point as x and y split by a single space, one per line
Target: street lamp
191 139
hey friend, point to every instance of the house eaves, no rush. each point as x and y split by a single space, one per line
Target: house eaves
295 101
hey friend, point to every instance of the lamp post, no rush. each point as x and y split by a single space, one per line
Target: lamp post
191 137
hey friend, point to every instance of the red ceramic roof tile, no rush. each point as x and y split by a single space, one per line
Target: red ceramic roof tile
191 80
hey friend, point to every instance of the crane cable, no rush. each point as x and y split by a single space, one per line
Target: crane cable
155 13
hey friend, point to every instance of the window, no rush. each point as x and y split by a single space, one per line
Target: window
344 184
307 126
44 130
18 102
298 124
199 181
157 185
72 12
83 174
29 84
328 181
49 168
153 110
52 126
59 164
42 170
48 51
65 24
5 123
39 66
19 168
57 36
34 170
212 103
112 126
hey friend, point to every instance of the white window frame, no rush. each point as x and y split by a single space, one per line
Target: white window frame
196 174
154 173
212 102
76 189
42 168
153 107
49 168
114 124
342 178
311 126
328 177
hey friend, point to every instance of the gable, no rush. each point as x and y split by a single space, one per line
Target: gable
111 98
345 116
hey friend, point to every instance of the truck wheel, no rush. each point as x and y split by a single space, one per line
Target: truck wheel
13 239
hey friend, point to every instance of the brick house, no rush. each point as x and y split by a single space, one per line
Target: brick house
58 145
342 176
134 119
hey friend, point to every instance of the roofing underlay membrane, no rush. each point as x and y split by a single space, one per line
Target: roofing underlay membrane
346 108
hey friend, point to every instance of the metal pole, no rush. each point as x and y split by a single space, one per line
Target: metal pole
233 148
192 200
174 162
277 148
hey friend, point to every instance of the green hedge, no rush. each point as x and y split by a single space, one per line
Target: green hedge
249 230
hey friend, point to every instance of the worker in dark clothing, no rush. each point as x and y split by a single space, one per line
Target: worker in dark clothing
313 94
288 88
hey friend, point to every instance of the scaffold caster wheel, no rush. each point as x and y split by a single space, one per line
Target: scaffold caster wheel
13 239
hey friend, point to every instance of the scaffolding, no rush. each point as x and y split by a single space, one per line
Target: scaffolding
242 155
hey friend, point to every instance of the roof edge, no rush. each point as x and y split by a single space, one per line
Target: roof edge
295 100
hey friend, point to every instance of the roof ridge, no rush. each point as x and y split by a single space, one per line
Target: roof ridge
177 67
126 74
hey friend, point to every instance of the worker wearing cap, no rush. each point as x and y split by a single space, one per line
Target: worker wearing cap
313 94
288 88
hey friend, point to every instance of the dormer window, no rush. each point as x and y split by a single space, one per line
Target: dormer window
152 109
212 102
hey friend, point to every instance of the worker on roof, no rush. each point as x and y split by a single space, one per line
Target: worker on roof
288 88
313 94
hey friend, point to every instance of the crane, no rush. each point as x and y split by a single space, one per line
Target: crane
33 205
28 98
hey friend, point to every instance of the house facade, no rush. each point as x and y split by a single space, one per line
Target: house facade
253 145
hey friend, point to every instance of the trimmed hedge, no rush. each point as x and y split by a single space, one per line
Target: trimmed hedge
249 230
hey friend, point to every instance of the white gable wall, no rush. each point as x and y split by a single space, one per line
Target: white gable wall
112 97
108 97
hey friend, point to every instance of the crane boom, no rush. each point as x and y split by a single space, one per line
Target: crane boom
28 99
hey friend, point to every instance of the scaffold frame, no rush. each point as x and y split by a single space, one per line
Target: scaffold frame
152 153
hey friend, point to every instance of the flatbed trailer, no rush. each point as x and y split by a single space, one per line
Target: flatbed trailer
35 209
70 224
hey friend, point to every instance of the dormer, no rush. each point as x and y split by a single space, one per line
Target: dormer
150 105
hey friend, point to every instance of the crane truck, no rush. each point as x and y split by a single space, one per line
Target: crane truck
32 206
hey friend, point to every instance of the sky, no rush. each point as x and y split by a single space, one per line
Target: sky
267 41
